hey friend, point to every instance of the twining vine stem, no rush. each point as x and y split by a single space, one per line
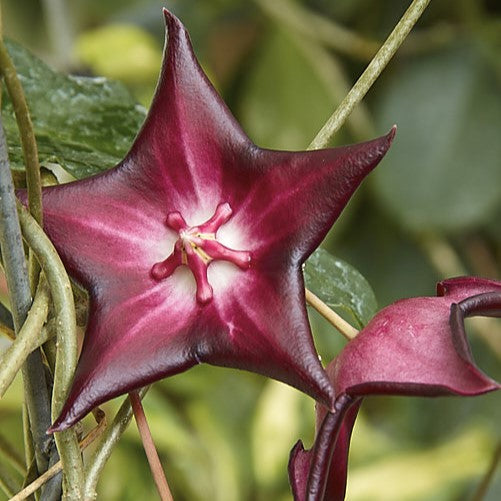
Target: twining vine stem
66 361
13 358
371 73
58 280
54 469
337 119
106 444
14 263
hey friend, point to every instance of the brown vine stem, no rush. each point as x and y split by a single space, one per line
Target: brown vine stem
149 447
371 73
28 145
347 330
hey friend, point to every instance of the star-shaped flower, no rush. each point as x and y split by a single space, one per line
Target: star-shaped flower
414 347
192 247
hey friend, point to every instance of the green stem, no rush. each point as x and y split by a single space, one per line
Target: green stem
28 145
66 360
486 481
59 29
7 482
29 451
27 136
36 393
331 72
27 340
371 73
321 29
105 446
12 455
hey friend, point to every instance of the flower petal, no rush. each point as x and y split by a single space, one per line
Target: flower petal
120 235
316 186
320 473
264 329
131 344
165 331
191 122
415 346
409 348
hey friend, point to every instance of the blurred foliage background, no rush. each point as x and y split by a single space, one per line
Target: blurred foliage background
430 210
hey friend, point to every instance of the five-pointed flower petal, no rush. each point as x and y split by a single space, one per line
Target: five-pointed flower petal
192 247
415 346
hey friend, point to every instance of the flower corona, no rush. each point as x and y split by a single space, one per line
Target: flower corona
196 247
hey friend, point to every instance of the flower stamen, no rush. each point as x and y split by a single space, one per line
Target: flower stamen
196 247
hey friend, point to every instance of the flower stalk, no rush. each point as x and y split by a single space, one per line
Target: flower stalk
347 330
149 447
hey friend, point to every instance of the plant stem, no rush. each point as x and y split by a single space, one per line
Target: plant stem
56 468
29 451
7 332
26 341
105 446
64 306
36 393
483 487
371 73
8 483
441 254
331 72
321 29
12 455
27 136
59 29
149 447
348 331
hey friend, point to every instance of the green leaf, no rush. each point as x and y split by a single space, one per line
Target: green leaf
443 171
340 286
84 124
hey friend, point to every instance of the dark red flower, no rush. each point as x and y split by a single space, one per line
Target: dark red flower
415 346
191 248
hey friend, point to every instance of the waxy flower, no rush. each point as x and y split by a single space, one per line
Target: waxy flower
191 248
415 346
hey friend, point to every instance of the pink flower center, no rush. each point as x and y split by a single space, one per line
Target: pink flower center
196 247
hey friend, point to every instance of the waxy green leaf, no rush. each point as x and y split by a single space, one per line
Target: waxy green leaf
340 286
84 124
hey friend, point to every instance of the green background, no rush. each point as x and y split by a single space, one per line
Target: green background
430 210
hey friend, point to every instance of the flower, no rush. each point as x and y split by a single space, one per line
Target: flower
191 248
415 346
